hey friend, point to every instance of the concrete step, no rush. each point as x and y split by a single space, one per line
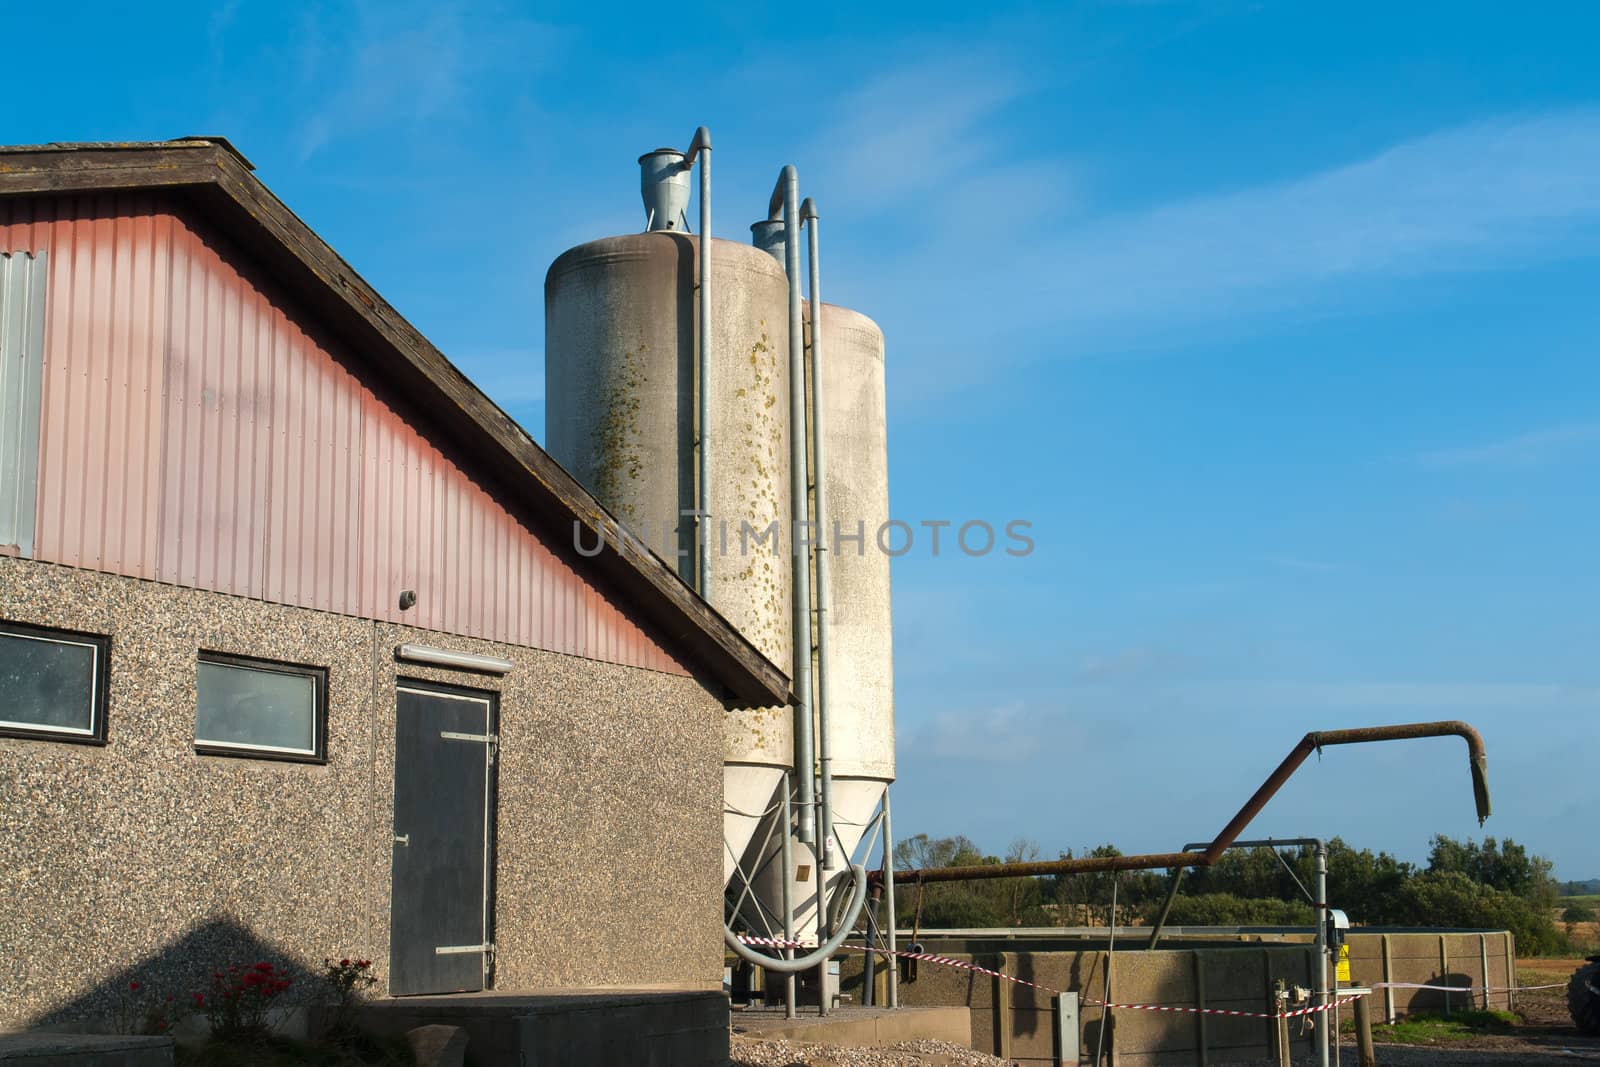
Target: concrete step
37 1049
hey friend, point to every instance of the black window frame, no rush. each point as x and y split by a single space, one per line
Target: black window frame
319 709
100 690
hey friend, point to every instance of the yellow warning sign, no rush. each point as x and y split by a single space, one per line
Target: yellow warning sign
1342 973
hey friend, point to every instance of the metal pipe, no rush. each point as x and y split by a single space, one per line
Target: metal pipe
869 965
1319 904
1166 908
858 897
789 1001
888 896
823 930
1312 742
788 189
700 146
819 440
1321 854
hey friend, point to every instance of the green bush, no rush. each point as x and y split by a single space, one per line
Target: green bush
1225 909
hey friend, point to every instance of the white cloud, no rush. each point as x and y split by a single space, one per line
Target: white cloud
1530 449
387 65
1053 278
1002 735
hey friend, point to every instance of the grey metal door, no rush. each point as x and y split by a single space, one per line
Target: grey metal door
440 907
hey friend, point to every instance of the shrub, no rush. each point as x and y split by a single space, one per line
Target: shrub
141 1010
348 980
1225 909
243 1001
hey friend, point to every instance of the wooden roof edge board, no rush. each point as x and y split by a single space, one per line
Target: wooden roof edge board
751 680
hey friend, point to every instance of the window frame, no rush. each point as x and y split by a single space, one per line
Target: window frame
99 690
237 750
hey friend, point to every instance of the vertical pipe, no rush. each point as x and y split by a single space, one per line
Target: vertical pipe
703 526
787 859
1388 976
869 963
823 997
804 761
888 896
1320 850
1483 959
819 440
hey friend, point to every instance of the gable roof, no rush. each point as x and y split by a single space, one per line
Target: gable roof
211 174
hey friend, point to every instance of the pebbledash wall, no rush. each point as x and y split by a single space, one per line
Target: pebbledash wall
216 475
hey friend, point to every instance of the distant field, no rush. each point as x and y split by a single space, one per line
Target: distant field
1586 900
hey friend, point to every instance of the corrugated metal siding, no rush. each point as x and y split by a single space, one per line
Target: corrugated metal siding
22 303
197 430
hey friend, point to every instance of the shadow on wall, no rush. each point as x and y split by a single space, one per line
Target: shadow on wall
1412 1001
179 969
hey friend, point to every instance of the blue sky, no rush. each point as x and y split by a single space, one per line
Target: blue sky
1278 322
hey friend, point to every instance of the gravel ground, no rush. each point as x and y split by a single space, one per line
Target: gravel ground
748 1052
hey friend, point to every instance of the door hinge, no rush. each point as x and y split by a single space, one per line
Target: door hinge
492 740
403 839
463 950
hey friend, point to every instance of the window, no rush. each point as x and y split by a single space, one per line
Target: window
52 684
249 707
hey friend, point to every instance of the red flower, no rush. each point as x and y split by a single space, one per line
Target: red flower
199 999
134 986
344 963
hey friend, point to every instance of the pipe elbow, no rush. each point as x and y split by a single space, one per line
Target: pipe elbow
788 184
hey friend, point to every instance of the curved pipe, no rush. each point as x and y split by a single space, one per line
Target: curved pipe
1312 742
816 956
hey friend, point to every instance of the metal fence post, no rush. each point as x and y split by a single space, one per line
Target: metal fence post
1067 1040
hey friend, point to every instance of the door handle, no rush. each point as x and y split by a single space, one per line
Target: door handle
403 839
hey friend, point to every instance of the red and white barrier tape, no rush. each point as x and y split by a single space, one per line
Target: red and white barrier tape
1466 988
928 957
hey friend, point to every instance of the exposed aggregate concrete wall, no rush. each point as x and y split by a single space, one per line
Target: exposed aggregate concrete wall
143 860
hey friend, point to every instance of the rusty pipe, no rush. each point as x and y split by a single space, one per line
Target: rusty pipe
1312 742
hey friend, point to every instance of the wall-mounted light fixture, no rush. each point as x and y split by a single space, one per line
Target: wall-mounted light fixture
444 657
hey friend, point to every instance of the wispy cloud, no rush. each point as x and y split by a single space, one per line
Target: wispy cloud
910 130
1310 566
1531 449
1001 735
1476 196
388 65
1045 265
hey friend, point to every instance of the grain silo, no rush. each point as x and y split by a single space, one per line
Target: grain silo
621 391
660 420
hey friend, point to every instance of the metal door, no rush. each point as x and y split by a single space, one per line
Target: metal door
440 906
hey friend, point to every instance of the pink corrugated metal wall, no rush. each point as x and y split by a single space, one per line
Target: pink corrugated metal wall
195 432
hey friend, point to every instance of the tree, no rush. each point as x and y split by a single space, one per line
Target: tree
1506 867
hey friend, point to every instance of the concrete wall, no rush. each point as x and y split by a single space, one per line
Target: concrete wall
144 860
1017 1021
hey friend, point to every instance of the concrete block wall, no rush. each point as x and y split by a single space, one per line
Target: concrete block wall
1435 958
1018 1021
